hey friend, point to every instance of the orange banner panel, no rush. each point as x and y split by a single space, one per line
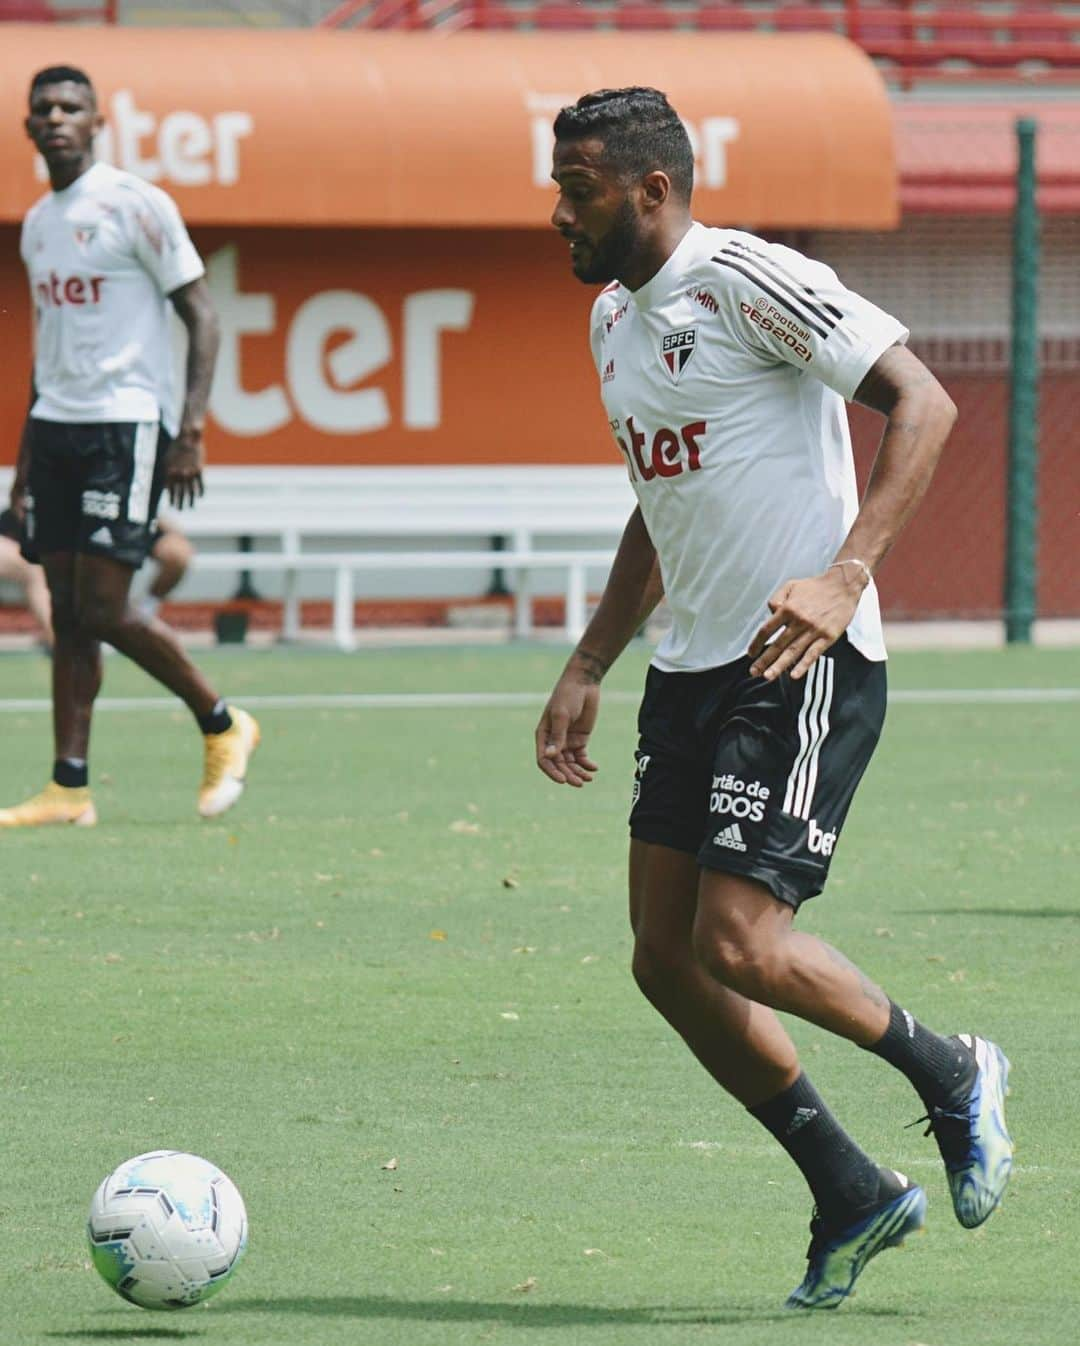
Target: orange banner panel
381 348
325 129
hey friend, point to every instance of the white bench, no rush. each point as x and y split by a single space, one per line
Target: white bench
338 522
344 566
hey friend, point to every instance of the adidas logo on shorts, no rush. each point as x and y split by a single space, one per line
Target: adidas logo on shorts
731 837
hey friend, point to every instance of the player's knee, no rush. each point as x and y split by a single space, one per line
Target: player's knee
65 620
172 553
65 615
100 616
658 968
737 960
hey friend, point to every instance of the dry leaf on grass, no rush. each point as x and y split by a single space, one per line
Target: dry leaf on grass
464 828
529 1283
390 1166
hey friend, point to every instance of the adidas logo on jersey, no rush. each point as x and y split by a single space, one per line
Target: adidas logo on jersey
102 538
609 372
731 837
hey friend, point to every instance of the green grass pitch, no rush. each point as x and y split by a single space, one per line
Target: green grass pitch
390 995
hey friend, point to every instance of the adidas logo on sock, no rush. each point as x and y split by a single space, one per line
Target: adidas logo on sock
799 1119
731 837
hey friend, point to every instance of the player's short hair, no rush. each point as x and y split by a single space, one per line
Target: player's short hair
640 131
62 74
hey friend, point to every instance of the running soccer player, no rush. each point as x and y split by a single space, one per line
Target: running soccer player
106 254
724 363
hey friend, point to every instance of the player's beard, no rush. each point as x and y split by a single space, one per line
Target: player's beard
614 254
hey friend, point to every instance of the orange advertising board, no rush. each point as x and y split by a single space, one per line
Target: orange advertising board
379 347
388 129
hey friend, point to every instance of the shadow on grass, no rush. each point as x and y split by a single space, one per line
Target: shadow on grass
1029 913
124 1334
528 1314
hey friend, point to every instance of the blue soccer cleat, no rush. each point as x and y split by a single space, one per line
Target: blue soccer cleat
973 1138
836 1258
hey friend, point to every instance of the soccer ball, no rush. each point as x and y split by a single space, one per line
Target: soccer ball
167 1229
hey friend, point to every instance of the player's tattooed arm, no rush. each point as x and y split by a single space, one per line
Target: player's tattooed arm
591 666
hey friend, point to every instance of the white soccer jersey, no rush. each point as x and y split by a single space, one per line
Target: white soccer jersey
102 255
724 378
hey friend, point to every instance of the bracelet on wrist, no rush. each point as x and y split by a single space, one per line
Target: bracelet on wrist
853 561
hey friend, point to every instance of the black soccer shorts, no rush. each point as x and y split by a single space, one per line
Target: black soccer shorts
756 777
94 488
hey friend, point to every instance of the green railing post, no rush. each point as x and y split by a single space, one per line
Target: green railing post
1021 546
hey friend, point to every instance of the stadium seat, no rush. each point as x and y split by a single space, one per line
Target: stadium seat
807 19
571 17
26 11
723 18
629 18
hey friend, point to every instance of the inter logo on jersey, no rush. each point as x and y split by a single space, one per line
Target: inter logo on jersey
676 350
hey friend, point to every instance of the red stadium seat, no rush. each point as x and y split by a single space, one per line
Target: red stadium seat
724 18
637 17
807 19
26 11
570 17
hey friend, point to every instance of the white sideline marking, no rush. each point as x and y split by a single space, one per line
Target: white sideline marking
491 700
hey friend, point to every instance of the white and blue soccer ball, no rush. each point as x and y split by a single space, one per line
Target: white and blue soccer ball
167 1229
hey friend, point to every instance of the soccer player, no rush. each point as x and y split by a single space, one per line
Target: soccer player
14 566
724 363
106 255
171 553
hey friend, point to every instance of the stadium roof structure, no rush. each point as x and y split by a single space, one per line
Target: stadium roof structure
327 129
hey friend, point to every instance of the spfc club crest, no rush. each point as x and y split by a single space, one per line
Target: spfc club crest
676 350
85 234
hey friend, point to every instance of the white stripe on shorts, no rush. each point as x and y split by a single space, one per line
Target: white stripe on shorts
813 727
142 472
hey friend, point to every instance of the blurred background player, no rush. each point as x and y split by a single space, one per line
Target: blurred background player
171 554
30 578
104 251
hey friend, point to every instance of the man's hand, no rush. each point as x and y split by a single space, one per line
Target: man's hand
184 467
809 615
562 736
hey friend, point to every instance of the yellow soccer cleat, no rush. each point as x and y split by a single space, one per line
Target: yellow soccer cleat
55 804
226 763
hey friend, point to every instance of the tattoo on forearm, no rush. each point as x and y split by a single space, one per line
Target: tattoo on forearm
870 990
591 665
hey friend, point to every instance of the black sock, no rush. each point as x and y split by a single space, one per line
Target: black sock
217 721
941 1069
71 772
846 1183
